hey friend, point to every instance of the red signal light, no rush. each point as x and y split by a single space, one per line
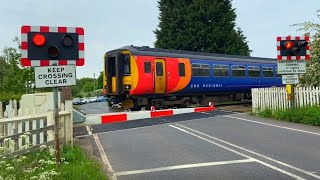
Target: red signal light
288 44
39 39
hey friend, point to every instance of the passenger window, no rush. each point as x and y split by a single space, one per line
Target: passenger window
253 71
267 71
147 67
238 71
159 68
182 71
220 70
276 71
200 70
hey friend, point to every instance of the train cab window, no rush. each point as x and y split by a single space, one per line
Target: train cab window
220 70
111 66
182 70
253 71
159 68
200 70
238 71
126 65
267 71
147 67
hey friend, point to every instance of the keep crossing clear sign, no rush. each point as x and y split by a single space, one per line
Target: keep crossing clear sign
291 67
55 76
290 79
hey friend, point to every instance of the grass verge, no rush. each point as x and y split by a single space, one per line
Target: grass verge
303 115
41 165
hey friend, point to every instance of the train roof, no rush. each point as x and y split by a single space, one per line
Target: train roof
146 51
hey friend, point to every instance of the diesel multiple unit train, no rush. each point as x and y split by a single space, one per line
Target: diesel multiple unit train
136 77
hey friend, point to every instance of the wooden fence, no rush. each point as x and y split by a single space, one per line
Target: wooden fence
276 98
19 135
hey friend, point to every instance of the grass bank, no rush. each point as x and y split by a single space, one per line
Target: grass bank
41 165
303 115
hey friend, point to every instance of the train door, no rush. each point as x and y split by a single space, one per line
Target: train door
160 76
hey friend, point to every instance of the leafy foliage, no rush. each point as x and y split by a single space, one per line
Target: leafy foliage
14 79
87 87
312 29
41 165
200 25
303 115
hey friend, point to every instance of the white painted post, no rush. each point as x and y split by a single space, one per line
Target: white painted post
301 97
50 122
317 96
20 131
42 133
27 128
15 108
69 123
9 110
1 110
34 136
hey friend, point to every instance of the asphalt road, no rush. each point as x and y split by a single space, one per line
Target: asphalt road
210 145
96 108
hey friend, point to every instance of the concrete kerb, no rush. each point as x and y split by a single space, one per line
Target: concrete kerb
135 115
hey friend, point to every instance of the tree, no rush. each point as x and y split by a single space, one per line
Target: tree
312 29
200 25
100 81
88 87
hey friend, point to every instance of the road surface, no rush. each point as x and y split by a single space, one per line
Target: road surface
209 145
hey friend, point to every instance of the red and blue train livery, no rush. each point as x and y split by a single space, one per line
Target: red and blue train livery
136 77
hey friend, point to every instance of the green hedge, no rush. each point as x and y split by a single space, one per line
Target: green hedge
6 97
303 115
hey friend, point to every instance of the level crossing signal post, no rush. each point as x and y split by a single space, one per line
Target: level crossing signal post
53 52
292 54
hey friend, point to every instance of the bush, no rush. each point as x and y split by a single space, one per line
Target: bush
6 97
267 113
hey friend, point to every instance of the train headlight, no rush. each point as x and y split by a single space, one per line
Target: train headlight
126 87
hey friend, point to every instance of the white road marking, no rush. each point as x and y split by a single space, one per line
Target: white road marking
252 152
206 113
239 153
185 166
89 130
283 127
231 111
104 157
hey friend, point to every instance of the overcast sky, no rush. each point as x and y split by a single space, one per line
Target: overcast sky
112 24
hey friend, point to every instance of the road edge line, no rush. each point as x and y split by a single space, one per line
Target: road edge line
104 157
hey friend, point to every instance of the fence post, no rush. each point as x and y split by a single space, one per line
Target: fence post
50 122
1 110
15 108
69 123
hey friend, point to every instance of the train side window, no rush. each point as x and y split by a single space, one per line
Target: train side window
182 70
202 70
238 71
267 71
276 70
253 71
220 70
147 67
